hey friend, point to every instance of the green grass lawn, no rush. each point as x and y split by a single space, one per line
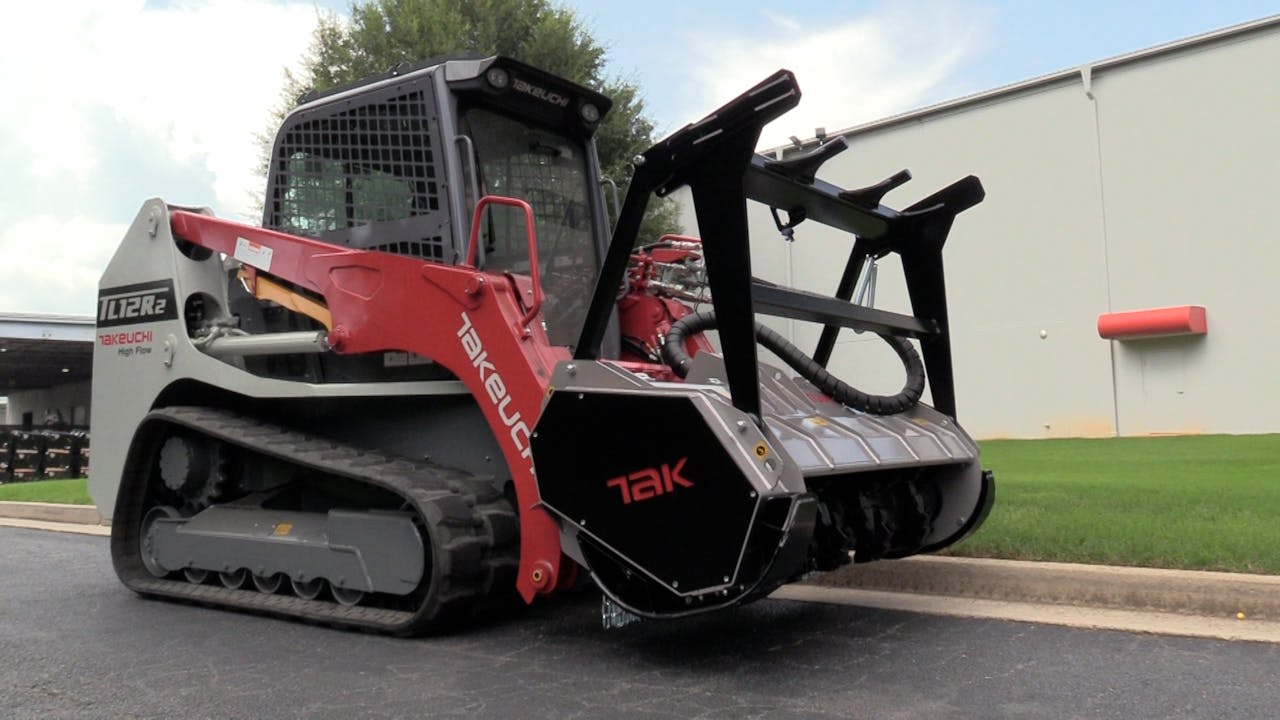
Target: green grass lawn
72 492
1197 502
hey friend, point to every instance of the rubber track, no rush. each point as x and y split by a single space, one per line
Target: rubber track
471 525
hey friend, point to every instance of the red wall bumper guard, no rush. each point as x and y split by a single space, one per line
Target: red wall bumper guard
1157 322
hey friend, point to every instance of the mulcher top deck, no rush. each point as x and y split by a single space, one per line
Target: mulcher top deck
439 282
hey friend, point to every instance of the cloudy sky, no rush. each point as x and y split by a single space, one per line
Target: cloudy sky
109 102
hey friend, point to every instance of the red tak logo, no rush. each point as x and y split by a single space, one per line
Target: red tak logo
650 482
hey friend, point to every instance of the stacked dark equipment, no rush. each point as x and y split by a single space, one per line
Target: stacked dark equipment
43 454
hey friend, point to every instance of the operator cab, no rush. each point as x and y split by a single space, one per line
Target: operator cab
531 134
397 164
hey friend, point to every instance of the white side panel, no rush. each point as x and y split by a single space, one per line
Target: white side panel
133 364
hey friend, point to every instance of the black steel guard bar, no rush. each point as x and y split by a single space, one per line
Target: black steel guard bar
917 234
778 301
715 157
711 156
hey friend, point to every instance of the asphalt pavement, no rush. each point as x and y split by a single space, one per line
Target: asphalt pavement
75 643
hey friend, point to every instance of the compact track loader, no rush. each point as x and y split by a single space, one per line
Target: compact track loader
436 379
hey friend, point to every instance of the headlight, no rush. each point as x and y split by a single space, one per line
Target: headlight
498 78
590 112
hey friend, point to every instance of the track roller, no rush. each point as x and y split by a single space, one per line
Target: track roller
308 589
346 596
268 584
233 579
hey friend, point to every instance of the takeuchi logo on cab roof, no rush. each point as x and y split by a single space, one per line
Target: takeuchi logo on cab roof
542 94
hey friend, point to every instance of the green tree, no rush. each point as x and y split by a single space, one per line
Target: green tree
383 33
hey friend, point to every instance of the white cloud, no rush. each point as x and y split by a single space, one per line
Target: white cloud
202 77
783 21
195 79
849 72
52 264
198 77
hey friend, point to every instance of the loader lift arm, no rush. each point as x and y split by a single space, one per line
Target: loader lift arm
367 294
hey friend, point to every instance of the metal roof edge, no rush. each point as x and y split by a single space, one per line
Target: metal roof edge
47 318
1207 38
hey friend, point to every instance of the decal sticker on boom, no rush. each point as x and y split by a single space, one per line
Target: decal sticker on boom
494 387
134 304
252 253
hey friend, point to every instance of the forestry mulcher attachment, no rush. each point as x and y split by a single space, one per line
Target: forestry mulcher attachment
435 379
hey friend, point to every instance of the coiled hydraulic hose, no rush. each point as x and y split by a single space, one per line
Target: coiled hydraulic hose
675 355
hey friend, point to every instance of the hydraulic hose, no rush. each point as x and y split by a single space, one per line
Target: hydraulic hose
675 355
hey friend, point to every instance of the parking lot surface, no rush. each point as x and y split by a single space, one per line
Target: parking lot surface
75 643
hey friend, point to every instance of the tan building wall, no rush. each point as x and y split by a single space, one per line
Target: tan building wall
1144 181
1191 171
